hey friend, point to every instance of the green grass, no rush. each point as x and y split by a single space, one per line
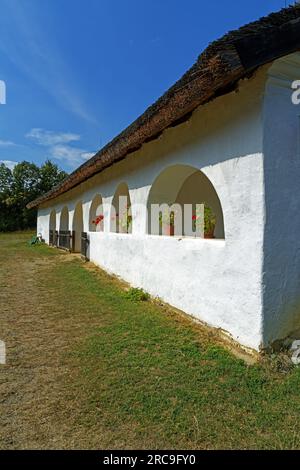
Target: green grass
145 377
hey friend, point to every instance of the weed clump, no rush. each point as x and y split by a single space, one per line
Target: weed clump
137 295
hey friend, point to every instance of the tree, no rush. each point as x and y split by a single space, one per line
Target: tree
25 185
5 193
20 186
50 176
5 179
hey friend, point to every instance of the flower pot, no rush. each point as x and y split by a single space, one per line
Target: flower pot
170 230
209 235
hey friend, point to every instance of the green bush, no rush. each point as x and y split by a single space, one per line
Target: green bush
137 295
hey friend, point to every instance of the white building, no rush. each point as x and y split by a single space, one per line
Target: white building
227 134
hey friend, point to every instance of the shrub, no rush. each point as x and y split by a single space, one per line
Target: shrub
137 295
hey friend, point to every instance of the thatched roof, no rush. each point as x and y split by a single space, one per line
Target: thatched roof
217 70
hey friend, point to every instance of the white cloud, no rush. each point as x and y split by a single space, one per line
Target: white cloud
48 138
6 143
59 146
9 163
71 155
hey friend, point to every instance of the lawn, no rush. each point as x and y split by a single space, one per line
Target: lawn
89 367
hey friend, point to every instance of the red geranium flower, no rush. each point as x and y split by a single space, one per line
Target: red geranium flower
98 219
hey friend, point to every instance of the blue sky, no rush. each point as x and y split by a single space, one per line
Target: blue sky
77 72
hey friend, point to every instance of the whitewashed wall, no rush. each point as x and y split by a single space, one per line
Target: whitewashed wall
219 282
281 270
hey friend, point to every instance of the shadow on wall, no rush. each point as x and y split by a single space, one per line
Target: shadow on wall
281 265
281 248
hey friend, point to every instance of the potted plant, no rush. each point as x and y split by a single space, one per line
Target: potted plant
168 221
98 220
209 222
125 221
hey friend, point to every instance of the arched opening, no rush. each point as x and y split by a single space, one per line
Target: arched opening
187 189
52 221
52 228
121 217
64 219
96 216
77 227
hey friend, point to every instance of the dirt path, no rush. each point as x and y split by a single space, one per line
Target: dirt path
34 400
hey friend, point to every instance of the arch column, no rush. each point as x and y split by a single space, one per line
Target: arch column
139 198
77 226
86 213
107 212
121 210
57 219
